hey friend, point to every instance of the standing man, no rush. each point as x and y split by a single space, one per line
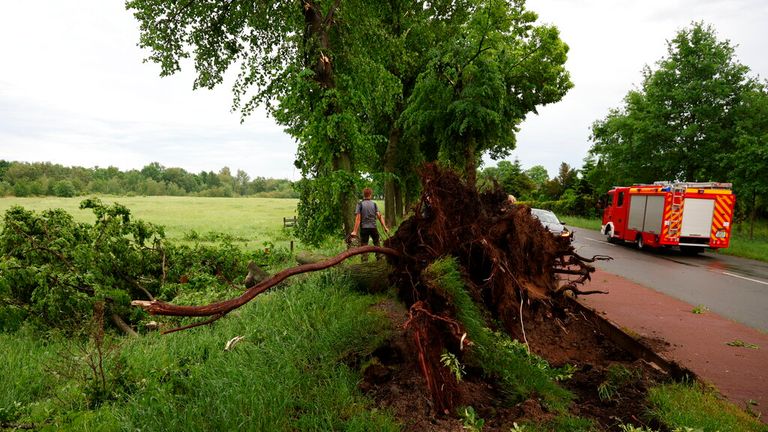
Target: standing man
366 214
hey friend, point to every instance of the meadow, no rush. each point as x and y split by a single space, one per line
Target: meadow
251 219
290 372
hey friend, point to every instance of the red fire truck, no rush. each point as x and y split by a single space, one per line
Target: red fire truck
692 216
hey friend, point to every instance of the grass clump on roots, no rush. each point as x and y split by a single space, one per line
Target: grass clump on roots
520 373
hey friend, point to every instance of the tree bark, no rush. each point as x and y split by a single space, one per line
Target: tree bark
125 328
470 162
343 162
390 182
399 206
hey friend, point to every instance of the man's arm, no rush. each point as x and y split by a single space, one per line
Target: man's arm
357 224
384 224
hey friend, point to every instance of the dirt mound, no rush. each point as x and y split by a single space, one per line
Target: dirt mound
393 379
519 274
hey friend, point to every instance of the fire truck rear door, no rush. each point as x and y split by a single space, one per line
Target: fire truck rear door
697 217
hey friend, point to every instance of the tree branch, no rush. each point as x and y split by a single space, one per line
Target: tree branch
224 307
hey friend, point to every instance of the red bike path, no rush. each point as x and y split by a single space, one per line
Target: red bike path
698 342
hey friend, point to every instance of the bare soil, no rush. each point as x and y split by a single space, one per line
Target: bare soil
518 273
393 379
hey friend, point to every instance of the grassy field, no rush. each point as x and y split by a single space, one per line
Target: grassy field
290 372
251 220
741 245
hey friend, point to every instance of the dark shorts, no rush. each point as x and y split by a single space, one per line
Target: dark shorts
366 233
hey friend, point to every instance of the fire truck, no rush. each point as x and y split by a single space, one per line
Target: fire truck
691 216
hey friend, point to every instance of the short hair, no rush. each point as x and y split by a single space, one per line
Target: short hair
367 192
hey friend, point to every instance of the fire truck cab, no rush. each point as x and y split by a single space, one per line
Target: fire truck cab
691 216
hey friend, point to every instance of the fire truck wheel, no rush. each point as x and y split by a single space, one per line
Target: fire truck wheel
640 243
609 236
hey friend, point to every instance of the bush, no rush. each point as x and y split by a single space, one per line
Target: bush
64 188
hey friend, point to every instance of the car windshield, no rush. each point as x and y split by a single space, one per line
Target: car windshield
545 216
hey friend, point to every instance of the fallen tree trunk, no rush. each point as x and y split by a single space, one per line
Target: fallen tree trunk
123 326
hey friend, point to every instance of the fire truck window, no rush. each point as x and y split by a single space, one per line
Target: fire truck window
621 200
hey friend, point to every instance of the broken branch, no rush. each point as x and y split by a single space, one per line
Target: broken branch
224 307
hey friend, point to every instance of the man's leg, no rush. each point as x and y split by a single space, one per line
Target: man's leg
375 236
365 233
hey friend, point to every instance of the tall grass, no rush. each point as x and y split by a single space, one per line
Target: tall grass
294 370
24 382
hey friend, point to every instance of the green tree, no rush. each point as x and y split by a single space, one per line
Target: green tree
64 188
750 156
153 171
311 57
481 84
510 176
680 124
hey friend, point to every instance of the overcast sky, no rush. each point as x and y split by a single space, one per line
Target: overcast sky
74 90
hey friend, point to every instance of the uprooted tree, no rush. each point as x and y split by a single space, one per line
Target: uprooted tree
511 269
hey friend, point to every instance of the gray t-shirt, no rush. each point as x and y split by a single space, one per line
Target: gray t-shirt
367 210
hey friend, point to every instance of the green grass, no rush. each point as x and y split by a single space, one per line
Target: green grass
253 220
742 246
683 405
582 222
289 373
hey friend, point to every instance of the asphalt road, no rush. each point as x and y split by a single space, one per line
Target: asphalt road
736 288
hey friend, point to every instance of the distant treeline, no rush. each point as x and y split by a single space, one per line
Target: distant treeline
23 179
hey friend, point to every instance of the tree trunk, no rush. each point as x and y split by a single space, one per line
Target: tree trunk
470 162
317 32
390 182
343 162
399 207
